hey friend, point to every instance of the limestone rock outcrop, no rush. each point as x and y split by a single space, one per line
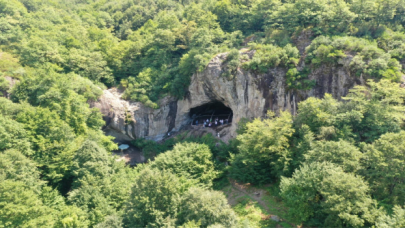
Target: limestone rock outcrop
248 94
127 120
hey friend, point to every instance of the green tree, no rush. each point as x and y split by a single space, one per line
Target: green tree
316 113
155 198
21 207
264 152
91 160
384 166
380 106
13 135
370 112
302 142
270 56
37 51
100 184
71 216
15 166
322 194
188 160
137 89
91 200
206 206
9 64
65 94
397 219
89 65
112 221
54 141
341 153
385 10
12 8
321 15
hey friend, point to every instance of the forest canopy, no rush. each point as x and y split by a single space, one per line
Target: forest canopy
152 47
338 162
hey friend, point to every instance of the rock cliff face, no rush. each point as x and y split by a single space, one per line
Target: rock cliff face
249 95
126 120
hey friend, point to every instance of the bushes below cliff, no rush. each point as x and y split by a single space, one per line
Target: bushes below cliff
331 153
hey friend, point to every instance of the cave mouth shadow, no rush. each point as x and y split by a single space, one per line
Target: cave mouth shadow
212 111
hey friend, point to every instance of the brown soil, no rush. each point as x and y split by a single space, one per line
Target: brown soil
131 156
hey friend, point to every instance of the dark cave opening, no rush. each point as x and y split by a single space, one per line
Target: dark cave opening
213 114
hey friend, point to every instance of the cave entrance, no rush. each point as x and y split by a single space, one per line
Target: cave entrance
216 113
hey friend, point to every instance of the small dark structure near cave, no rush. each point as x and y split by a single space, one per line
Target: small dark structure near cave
211 115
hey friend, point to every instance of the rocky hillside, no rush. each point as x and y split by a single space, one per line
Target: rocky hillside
248 94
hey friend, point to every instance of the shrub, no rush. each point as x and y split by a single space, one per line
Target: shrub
299 79
368 58
270 56
232 62
137 89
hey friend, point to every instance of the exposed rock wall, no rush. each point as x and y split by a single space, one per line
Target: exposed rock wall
249 95
126 120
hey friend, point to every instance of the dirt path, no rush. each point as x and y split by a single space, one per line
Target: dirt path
240 190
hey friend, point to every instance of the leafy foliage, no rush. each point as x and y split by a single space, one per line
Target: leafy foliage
208 207
15 166
264 150
346 157
56 166
396 220
269 56
383 164
188 160
232 62
21 207
369 113
110 222
160 198
152 47
367 59
340 153
155 198
322 194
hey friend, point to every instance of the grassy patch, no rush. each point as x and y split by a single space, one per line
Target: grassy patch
256 210
274 203
249 210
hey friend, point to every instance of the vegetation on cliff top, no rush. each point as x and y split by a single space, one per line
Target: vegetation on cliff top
152 47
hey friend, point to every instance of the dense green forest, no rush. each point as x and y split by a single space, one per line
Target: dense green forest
335 164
